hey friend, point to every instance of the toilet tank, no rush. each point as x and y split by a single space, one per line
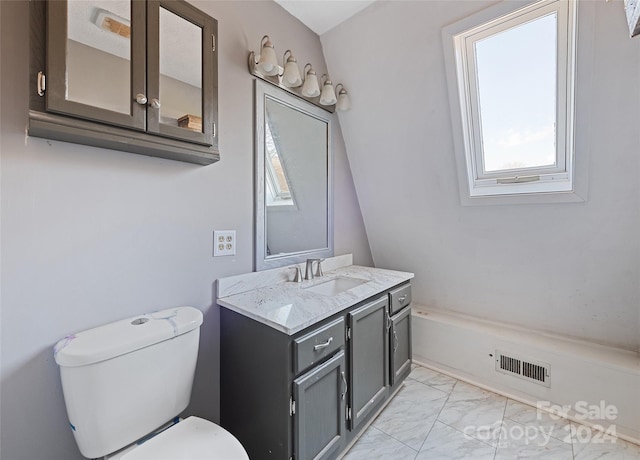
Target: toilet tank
125 379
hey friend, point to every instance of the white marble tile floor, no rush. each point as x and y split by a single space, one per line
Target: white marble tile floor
438 417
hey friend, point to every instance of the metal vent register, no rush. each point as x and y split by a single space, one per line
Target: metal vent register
535 372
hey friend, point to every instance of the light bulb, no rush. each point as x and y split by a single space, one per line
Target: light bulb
310 87
328 95
344 103
291 76
268 63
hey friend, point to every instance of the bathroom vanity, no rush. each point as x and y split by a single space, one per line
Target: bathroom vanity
305 366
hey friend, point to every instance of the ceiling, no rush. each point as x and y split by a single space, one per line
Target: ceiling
323 15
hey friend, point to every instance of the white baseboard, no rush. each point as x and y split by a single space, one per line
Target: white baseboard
582 374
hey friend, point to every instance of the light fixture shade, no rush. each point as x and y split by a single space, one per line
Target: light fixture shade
291 76
268 63
328 95
344 103
310 87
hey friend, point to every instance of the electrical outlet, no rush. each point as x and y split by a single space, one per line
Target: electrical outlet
224 243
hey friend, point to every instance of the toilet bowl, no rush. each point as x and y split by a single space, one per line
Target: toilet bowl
193 438
123 380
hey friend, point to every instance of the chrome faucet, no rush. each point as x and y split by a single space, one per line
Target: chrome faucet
309 274
298 276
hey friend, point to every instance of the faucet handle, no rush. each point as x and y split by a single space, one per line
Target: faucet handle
319 268
298 276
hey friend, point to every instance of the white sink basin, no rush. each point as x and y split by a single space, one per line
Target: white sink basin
336 285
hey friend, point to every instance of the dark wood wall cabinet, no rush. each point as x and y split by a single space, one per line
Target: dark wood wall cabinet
140 77
307 396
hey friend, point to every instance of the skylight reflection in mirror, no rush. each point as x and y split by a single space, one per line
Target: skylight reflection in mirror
278 192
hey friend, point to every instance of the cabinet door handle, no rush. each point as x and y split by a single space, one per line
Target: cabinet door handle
346 387
155 103
141 99
395 341
320 346
42 83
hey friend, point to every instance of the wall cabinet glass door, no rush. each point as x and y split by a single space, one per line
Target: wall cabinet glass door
147 66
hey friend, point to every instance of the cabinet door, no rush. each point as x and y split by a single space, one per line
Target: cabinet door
400 346
368 358
181 47
96 60
319 418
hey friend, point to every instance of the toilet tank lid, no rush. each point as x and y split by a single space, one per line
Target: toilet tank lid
124 336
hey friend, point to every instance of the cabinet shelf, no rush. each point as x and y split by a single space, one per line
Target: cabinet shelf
61 128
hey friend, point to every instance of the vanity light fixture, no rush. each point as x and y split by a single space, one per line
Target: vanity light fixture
344 103
328 94
310 87
291 75
268 63
288 77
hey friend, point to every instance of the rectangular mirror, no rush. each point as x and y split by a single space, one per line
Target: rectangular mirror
180 83
99 54
294 183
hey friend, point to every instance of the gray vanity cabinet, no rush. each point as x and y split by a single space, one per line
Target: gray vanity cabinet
400 334
400 346
137 76
319 416
368 356
306 396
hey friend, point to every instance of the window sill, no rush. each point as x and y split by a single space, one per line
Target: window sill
522 198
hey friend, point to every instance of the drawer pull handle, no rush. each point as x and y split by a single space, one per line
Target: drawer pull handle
320 346
402 298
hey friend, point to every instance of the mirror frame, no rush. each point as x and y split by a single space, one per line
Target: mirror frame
264 91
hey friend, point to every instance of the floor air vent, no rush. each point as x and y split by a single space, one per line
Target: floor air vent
535 372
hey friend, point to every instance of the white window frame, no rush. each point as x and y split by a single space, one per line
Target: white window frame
476 185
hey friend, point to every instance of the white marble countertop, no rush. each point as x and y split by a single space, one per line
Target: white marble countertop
290 307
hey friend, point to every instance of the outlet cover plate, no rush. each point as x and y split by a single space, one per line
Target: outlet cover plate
224 243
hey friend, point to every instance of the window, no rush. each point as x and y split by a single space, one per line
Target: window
513 74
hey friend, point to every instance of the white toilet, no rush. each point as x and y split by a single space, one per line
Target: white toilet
124 384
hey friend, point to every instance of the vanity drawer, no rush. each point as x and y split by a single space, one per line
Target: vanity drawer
399 298
318 344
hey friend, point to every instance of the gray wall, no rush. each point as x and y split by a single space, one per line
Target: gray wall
573 268
91 236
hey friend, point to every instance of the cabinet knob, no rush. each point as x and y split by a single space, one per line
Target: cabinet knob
155 103
141 99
